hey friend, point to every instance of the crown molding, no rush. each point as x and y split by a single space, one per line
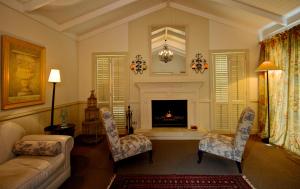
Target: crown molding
292 19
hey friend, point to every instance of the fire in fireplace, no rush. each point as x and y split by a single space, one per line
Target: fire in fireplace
169 113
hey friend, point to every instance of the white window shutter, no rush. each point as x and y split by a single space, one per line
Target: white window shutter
221 92
110 84
102 79
118 92
229 89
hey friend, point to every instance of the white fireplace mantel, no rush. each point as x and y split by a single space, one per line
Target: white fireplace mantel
186 90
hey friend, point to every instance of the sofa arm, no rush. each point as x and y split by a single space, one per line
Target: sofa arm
67 143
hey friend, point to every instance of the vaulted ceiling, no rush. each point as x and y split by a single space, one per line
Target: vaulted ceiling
84 18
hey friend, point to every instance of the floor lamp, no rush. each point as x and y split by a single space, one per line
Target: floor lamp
54 78
266 66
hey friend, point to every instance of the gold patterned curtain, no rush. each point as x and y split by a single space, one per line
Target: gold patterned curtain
284 90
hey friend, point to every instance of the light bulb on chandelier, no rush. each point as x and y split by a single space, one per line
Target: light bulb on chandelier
165 55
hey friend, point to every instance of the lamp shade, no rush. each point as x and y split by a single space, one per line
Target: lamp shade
265 66
54 76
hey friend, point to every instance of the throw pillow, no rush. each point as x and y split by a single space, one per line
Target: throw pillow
37 148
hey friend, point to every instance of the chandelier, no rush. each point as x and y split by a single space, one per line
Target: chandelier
165 55
138 65
199 63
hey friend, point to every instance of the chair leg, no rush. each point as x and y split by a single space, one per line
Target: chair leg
115 167
239 165
200 154
150 156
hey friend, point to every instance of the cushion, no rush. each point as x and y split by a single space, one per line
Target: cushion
134 144
37 148
29 171
217 144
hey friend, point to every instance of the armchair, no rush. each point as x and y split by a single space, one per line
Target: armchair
229 147
124 147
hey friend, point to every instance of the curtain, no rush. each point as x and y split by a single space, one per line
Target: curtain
284 90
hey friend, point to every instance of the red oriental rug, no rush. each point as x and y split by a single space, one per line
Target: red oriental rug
179 182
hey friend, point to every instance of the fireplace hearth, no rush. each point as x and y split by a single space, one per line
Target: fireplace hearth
169 113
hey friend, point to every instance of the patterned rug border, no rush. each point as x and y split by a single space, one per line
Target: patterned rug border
143 175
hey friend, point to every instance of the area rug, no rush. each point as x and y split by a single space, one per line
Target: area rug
179 182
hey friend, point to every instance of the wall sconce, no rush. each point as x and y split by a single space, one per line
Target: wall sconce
199 63
138 65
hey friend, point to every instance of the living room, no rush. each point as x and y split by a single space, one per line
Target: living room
95 46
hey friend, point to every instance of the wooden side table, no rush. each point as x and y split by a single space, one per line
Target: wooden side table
68 129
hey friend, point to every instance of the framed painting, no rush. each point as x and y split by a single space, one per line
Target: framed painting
23 73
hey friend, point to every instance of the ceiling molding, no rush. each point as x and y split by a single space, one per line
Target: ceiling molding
273 27
44 20
255 10
94 14
14 5
123 21
36 4
211 17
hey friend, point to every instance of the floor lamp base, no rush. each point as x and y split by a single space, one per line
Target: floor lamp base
265 140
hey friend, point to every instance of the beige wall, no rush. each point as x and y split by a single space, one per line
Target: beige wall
113 40
61 53
202 36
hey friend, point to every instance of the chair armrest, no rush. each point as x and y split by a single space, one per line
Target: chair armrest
67 143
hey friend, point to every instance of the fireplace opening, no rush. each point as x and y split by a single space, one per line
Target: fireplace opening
169 113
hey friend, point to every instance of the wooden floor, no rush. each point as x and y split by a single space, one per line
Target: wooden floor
265 166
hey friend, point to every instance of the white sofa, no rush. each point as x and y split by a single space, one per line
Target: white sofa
33 172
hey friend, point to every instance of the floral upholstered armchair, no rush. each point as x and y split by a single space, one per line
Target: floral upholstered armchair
229 147
124 147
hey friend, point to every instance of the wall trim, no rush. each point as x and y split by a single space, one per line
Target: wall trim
35 111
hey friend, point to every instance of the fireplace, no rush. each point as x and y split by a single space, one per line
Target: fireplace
151 91
169 113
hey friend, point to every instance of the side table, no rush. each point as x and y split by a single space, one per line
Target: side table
68 129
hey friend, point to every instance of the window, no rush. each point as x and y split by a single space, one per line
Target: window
229 76
111 80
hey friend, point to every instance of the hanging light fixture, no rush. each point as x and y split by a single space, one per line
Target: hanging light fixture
199 63
165 55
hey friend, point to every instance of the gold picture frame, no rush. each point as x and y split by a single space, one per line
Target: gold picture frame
23 73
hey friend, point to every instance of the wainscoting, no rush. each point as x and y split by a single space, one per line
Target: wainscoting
35 120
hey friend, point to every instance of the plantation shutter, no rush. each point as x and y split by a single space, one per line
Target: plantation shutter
221 92
103 80
110 85
229 89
